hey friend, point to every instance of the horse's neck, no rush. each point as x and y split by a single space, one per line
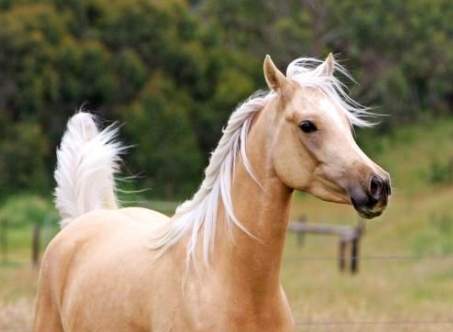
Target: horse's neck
264 210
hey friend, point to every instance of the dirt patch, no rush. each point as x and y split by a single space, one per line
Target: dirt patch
16 315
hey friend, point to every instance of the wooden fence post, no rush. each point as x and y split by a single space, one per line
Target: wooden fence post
355 254
300 235
342 255
4 239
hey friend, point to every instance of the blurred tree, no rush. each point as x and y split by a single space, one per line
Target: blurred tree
174 70
110 55
158 123
401 51
260 27
21 150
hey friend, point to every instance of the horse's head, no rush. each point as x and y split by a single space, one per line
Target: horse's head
314 149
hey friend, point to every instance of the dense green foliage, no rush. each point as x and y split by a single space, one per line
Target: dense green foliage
173 70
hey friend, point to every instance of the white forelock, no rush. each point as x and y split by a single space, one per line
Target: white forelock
307 73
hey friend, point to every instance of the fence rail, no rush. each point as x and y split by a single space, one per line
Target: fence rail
371 258
352 323
349 238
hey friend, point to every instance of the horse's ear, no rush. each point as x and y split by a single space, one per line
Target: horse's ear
274 77
328 66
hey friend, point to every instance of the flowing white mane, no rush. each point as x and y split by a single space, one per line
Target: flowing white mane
198 216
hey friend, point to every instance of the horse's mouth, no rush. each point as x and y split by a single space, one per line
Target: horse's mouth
366 212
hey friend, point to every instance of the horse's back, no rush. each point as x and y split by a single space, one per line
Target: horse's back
92 264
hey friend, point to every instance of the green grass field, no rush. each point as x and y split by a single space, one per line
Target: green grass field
390 292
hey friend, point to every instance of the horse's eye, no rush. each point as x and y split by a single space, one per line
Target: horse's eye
307 127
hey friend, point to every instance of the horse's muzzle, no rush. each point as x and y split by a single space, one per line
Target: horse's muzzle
372 200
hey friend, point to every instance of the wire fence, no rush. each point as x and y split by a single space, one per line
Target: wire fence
310 324
371 258
317 324
394 322
387 325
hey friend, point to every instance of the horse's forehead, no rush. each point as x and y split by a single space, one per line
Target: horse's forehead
317 103
331 112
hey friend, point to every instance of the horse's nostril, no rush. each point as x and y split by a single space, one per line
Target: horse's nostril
376 186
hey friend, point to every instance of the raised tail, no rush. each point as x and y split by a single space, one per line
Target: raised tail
87 162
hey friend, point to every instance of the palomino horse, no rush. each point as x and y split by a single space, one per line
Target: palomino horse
215 265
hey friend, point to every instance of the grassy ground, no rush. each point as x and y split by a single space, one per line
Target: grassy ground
18 286
413 294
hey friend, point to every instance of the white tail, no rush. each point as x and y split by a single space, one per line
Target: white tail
87 161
